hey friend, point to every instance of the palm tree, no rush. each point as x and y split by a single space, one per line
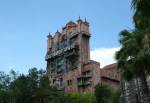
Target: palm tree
142 6
141 16
133 57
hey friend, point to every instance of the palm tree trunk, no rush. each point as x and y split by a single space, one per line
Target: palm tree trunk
145 89
138 91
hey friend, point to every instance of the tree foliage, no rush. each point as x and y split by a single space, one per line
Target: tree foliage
30 88
105 94
80 98
133 57
34 88
141 15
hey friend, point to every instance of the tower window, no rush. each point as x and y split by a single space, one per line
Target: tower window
69 82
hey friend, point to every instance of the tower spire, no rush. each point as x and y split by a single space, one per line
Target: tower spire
79 20
85 21
49 35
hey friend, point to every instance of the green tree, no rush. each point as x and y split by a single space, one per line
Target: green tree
133 57
4 80
13 75
142 6
30 88
4 96
116 97
79 98
4 86
141 13
104 94
20 91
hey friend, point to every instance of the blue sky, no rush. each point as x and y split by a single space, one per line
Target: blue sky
24 25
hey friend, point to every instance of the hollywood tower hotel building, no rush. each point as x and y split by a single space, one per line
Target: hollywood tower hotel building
68 59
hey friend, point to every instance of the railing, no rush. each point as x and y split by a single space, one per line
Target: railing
84 79
87 75
84 83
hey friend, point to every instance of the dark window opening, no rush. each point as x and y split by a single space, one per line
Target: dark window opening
69 82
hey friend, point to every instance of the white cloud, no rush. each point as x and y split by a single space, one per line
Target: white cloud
104 55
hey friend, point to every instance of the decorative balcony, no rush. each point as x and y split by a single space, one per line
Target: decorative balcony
89 75
70 54
84 81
